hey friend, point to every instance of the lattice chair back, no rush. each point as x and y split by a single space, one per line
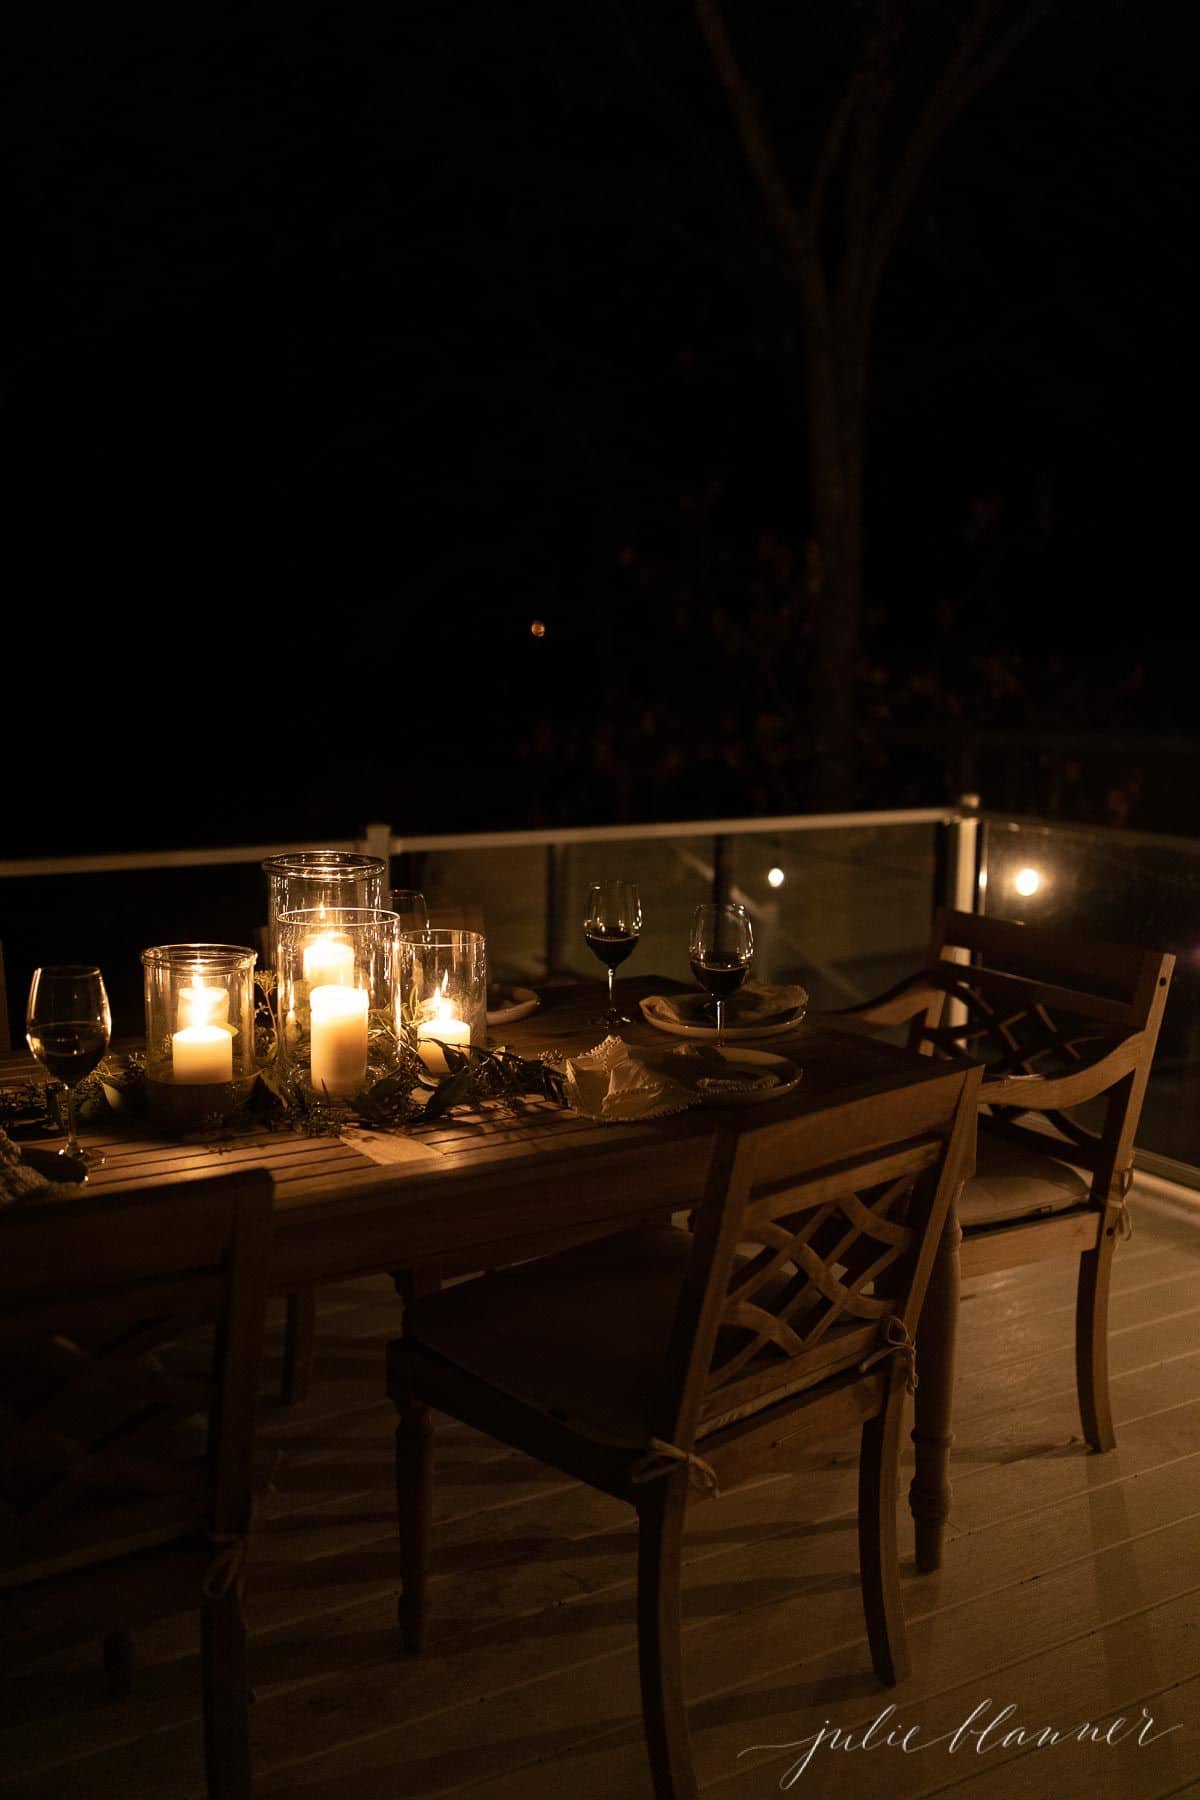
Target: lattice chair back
1030 1002
130 1333
813 1249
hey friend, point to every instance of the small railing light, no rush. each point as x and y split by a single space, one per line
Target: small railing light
775 877
1027 881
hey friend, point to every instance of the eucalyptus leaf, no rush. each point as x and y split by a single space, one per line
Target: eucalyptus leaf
451 1091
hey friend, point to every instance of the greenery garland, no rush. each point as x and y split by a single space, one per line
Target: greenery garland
283 1098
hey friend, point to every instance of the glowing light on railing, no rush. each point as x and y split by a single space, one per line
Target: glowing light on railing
1027 881
775 878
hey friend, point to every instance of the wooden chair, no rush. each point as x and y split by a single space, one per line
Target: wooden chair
1062 1023
657 1363
130 1333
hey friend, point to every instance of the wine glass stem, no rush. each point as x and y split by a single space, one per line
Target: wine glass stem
612 997
71 1148
720 1023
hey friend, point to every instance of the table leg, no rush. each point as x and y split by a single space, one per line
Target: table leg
929 1494
414 1284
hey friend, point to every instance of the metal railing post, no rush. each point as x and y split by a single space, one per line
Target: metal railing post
722 870
377 841
961 879
962 884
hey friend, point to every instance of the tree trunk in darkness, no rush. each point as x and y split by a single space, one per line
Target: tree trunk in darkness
835 471
836 227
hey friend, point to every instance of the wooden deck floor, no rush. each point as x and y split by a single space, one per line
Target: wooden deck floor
1070 1592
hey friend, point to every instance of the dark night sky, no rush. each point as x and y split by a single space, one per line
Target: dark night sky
345 344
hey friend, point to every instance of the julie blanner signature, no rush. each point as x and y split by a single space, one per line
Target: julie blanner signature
977 1732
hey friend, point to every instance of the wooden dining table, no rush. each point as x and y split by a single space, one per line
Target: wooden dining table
456 1195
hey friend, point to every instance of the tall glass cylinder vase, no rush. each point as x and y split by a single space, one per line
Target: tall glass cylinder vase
303 879
443 985
337 996
200 1061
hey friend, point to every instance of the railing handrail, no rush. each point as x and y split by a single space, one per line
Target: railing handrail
379 834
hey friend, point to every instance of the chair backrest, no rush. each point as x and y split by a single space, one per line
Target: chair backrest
1028 1001
130 1335
813 1234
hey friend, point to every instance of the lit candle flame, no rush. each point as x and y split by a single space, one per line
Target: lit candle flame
202 1005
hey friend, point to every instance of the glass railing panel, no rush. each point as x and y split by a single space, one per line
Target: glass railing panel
504 887
673 874
110 918
844 912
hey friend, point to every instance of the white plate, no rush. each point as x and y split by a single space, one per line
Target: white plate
726 1064
521 1001
734 1034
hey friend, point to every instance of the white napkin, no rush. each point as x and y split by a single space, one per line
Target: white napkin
611 1083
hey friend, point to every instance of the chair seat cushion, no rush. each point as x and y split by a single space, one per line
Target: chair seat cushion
580 1335
1012 1182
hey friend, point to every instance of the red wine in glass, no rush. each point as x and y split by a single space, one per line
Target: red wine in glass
720 951
611 945
611 928
69 1050
720 972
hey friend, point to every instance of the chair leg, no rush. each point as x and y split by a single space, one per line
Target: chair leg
414 1507
933 1412
226 1697
660 1652
1091 1342
879 1566
118 1664
298 1343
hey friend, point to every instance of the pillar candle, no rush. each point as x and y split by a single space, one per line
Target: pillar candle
202 1053
328 962
338 1038
446 1025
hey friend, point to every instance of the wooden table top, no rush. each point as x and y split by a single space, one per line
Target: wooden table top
486 1183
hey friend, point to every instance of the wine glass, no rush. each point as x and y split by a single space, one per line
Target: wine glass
720 951
409 903
68 1026
611 928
